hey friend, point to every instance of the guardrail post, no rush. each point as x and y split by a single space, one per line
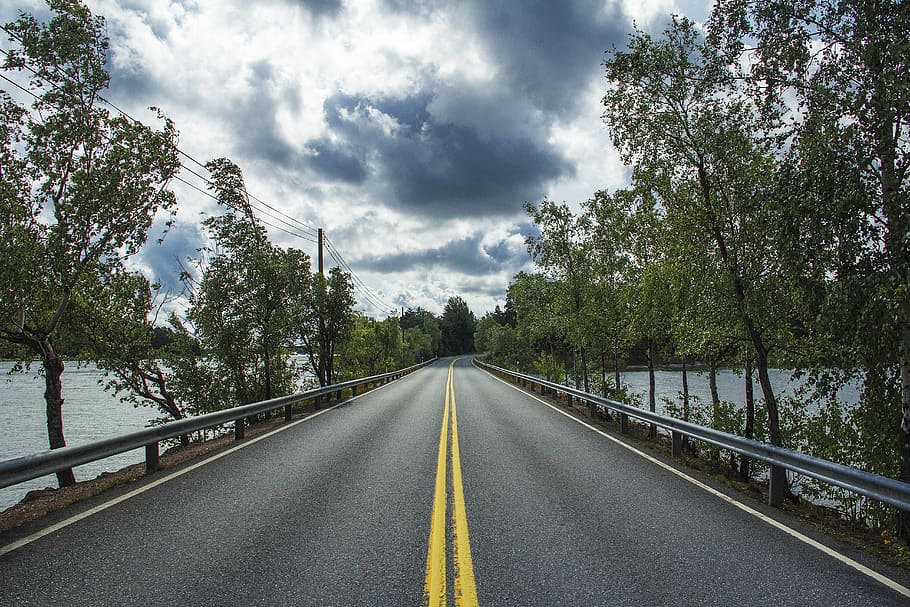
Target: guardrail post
152 457
624 423
239 428
287 413
677 443
592 409
353 391
569 400
339 395
777 486
318 402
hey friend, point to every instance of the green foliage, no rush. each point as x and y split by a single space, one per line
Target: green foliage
457 325
424 323
241 308
80 188
547 367
322 315
380 346
114 317
485 333
845 62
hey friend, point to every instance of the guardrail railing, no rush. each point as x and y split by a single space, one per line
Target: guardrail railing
881 488
27 467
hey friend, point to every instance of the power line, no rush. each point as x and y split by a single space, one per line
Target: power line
259 219
371 296
293 225
271 210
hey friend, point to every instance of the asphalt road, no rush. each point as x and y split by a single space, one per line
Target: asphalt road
336 510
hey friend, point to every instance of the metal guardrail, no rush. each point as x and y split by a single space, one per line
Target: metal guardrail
881 488
28 467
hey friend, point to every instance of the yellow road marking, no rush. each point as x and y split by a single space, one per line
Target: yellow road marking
465 589
435 585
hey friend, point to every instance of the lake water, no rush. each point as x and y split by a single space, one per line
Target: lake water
90 413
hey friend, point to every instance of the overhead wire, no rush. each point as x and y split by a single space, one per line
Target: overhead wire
371 296
269 209
292 225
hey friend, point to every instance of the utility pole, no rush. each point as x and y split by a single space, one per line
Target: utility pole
319 254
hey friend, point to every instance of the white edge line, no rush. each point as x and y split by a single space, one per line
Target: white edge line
122 498
878 577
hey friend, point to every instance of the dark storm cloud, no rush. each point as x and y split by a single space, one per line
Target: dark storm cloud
254 121
466 256
164 258
447 157
321 8
335 163
455 168
439 168
133 85
548 51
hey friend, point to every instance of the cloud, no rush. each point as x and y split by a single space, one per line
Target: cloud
336 161
436 168
469 255
396 125
546 50
322 8
161 258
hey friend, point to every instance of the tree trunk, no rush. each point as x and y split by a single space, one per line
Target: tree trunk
652 404
778 476
685 390
715 397
685 395
574 366
616 364
903 518
267 368
167 401
745 466
712 383
899 261
603 379
586 382
764 380
53 397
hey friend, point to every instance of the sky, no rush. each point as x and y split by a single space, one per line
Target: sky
411 131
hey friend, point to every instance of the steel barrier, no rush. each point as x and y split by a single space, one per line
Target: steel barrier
881 488
27 467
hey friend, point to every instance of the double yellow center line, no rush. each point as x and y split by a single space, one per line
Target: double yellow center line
435 586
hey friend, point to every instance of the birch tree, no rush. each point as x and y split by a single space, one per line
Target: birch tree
80 187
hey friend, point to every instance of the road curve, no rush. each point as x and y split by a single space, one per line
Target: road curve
337 510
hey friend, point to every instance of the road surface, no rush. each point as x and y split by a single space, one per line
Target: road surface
378 502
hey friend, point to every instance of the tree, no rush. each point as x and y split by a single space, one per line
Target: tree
485 333
242 304
425 333
117 318
380 346
533 297
560 250
651 310
80 187
846 62
610 218
324 319
675 112
457 324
